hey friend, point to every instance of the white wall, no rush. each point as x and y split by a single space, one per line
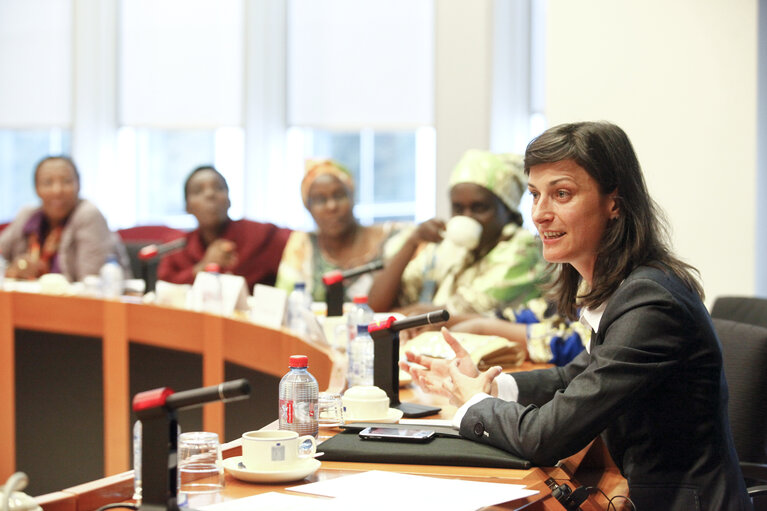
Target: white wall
681 78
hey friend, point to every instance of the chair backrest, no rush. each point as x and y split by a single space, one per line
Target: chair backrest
135 238
744 348
746 309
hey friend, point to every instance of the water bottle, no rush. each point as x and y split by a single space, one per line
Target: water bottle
298 398
211 293
360 314
361 358
137 433
112 278
299 303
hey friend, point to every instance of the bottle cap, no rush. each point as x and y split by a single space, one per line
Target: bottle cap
212 267
299 285
360 299
298 361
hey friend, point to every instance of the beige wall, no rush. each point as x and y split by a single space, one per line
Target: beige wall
680 77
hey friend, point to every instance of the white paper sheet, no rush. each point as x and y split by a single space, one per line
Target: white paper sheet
391 490
274 501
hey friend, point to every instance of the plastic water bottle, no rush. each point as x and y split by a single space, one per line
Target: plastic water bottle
299 303
211 293
112 278
361 358
137 434
298 398
360 314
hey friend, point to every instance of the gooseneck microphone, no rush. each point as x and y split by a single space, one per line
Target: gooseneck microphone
157 411
386 354
365 268
430 318
334 285
153 250
395 325
226 392
169 400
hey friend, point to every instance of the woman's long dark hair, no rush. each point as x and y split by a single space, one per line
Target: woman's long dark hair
639 236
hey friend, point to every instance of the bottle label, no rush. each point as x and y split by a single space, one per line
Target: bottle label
287 406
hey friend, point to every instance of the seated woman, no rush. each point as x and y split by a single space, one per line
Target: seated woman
651 381
340 242
241 247
505 268
65 234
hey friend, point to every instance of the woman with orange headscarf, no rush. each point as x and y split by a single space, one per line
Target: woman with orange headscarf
340 241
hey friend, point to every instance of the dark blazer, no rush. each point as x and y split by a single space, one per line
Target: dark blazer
652 385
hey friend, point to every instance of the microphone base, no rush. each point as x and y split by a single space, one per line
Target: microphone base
415 410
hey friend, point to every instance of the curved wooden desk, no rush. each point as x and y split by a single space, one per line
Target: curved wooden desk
591 466
118 324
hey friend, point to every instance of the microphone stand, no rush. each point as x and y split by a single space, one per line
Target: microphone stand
385 336
156 409
334 285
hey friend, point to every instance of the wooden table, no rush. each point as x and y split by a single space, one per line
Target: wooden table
117 324
591 466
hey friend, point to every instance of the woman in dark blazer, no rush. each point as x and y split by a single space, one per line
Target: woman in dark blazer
651 382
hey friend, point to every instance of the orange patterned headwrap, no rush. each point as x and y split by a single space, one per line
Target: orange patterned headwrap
317 168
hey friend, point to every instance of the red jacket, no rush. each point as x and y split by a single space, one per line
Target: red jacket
259 250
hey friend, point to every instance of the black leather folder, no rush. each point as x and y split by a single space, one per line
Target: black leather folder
442 450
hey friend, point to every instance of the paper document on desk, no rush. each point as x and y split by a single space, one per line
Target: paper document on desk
379 490
274 501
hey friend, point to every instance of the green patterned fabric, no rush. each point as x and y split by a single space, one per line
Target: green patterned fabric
509 275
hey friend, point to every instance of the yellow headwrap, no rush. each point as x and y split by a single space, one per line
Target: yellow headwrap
317 168
502 174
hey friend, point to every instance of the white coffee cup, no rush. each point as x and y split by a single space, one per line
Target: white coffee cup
464 231
365 402
275 449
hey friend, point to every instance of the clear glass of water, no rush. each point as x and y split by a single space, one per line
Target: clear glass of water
200 468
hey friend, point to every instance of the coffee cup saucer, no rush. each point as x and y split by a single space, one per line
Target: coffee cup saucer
392 416
299 470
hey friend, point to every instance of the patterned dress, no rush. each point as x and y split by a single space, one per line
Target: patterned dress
550 337
510 274
302 261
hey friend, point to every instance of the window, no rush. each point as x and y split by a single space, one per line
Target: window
161 160
364 98
385 167
20 151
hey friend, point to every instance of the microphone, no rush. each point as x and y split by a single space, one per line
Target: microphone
395 325
335 276
165 397
153 250
386 354
365 268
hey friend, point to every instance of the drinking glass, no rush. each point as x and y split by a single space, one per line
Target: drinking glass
331 409
200 468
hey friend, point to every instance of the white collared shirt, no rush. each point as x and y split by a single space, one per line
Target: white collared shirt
590 318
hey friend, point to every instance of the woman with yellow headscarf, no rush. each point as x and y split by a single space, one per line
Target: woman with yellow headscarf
340 241
502 267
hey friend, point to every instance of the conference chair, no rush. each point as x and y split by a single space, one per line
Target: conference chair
744 349
140 236
746 309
